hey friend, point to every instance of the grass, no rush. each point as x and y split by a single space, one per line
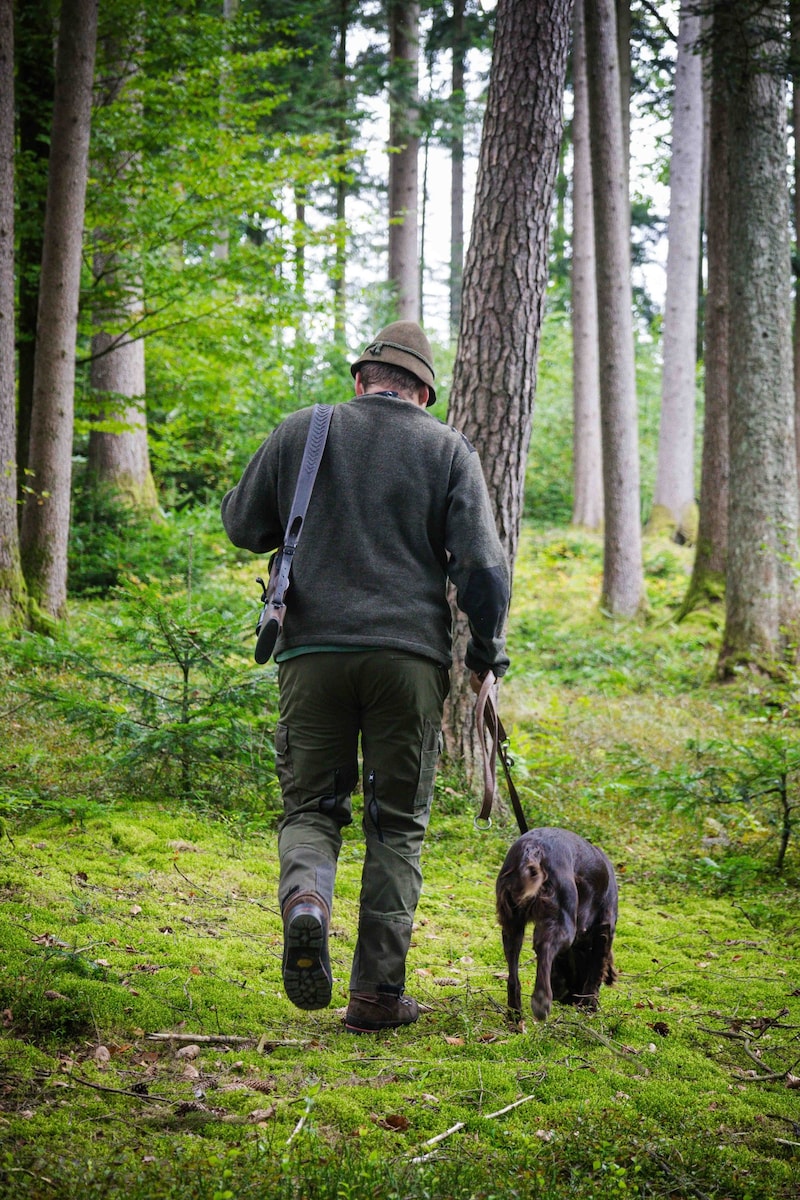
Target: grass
147 1049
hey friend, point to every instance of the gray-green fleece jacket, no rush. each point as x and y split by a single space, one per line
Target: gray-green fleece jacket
399 506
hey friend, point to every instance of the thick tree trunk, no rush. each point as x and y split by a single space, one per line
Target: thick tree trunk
343 145
119 459
35 82
587 450
457 101
674 495
12 588
403 157
623 576
707 584
505 277
794 17
762 598
45 519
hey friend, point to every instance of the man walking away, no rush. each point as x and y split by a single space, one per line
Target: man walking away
399 507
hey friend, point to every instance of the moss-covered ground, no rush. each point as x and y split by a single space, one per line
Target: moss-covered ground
147 1049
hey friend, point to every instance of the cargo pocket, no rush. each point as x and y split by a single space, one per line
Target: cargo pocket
431 748
283 762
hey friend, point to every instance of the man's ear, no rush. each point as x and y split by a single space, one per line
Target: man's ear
359 384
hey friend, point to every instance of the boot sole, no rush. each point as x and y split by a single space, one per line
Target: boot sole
306 969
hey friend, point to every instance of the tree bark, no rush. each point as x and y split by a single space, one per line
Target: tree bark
45 519
794 18
674 493
707 583
12 588
457 101
35 82
505 278
673 504
119 458
343 146
762 597
623 575
587 451
403 157
623 12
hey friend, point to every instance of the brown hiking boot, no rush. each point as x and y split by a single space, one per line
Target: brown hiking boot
306 966
370 1012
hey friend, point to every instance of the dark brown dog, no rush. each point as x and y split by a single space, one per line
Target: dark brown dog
567 888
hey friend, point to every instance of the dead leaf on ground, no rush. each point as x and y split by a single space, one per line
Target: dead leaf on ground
259 1115
101 1056
395 1121
454 1041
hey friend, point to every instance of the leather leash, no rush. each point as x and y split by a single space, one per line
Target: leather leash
494 740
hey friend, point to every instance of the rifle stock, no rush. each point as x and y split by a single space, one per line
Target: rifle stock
270 621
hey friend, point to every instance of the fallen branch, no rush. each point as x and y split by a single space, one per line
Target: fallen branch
508 1108
439 1137
227 1039
100 1087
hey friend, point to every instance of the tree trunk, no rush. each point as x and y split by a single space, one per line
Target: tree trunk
623 576
221 248
35 81
762 598
119 458
505 278
343 146
403 156
587 451
45 519
674 494
794 17
623 11
12 588
457 101
707 584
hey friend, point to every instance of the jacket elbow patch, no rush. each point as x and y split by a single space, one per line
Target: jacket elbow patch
485 600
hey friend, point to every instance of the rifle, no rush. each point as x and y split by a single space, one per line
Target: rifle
273 593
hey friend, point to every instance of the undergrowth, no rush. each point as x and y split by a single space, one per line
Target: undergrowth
147 1049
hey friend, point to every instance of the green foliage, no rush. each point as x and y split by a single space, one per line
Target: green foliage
111 542
159 688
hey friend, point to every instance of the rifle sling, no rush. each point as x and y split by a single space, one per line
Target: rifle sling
312 457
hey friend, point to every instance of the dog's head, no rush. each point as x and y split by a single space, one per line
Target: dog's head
521 878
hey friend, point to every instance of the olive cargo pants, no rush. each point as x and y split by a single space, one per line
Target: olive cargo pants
393 700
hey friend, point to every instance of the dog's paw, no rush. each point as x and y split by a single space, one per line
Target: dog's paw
540 1006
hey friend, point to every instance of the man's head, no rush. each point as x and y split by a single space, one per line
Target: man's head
399 351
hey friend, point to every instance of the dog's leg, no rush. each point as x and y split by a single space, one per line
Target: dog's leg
513 936
597 966
551 937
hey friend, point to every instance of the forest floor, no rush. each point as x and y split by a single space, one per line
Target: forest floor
147 1049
